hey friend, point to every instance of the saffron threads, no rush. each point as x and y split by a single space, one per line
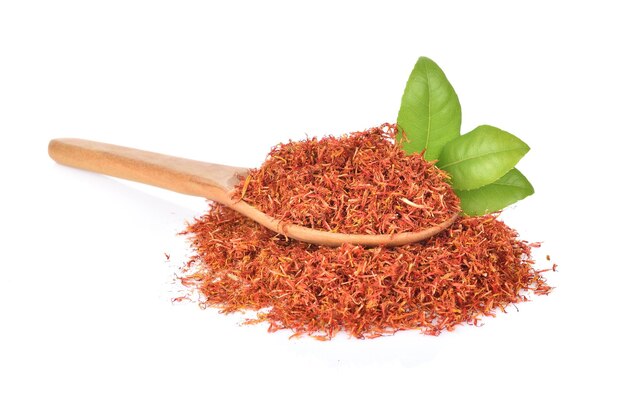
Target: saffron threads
469 271
361 183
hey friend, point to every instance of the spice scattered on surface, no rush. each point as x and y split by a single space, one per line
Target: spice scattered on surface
469 271
361 183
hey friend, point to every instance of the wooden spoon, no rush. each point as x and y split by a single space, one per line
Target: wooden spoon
211 181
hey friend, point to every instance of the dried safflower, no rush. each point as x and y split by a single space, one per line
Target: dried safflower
469 271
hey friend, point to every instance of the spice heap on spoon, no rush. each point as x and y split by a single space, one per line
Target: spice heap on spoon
379 205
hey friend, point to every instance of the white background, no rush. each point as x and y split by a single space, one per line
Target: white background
85 288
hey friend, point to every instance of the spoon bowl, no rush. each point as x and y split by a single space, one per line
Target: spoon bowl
212 181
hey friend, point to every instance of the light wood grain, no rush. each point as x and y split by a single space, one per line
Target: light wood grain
213 181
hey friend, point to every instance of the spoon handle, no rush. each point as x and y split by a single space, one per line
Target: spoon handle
185 176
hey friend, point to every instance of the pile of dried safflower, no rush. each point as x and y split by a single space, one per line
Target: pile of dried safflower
470 270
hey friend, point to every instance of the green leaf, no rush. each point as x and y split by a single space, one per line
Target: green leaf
430 112
507 190
481 157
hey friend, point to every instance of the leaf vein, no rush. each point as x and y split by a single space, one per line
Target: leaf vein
477 156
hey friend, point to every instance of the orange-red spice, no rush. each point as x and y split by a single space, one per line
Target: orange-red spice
470 270
358 183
